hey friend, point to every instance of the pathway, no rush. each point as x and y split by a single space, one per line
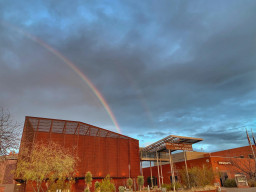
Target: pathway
251 189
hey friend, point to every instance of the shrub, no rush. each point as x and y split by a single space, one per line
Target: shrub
170 187
86 190
167 186
198 176
107 185
129 183
121 188
140 181
97 186
177 185
88 179
230 183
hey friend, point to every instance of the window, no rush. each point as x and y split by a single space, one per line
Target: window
176 178
250 156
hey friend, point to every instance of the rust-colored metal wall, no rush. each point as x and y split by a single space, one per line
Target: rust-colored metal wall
100 151
100 155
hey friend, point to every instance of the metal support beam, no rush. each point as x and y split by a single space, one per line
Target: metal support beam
172 170
152 185
162 177
186 166
159 184
87 131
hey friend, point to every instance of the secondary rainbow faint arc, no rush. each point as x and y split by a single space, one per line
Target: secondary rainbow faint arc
76 69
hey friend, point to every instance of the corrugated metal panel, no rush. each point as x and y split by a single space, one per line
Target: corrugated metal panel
100 151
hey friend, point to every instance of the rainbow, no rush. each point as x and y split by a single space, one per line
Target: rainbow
76 70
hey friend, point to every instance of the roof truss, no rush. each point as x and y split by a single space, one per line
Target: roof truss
70 127
160 145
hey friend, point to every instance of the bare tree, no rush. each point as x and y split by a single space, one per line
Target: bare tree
9 133
245 166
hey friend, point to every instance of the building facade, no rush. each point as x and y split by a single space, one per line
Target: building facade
225 165
103 152
7 167
100 151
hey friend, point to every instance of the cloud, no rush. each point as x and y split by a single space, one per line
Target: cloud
169 67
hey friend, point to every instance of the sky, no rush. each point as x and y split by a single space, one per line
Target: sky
163 67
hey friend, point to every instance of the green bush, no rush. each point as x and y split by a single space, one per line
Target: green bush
198 176
230 183
121 188
177 185
97 186
140 181
170 187
107 185
167 186
88 179
129 183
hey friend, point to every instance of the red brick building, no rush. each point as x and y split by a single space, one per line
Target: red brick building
7 167
99 151
225 164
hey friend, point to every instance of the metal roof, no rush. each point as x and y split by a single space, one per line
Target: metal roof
70 127
160 145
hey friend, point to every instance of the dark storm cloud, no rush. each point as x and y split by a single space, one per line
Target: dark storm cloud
165 67
152 134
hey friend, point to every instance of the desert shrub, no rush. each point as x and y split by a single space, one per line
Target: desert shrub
107 185
97 186
140 181
167 186
129 183
170 187
252 183
177 185
230 183
121 188
198 176
88 179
